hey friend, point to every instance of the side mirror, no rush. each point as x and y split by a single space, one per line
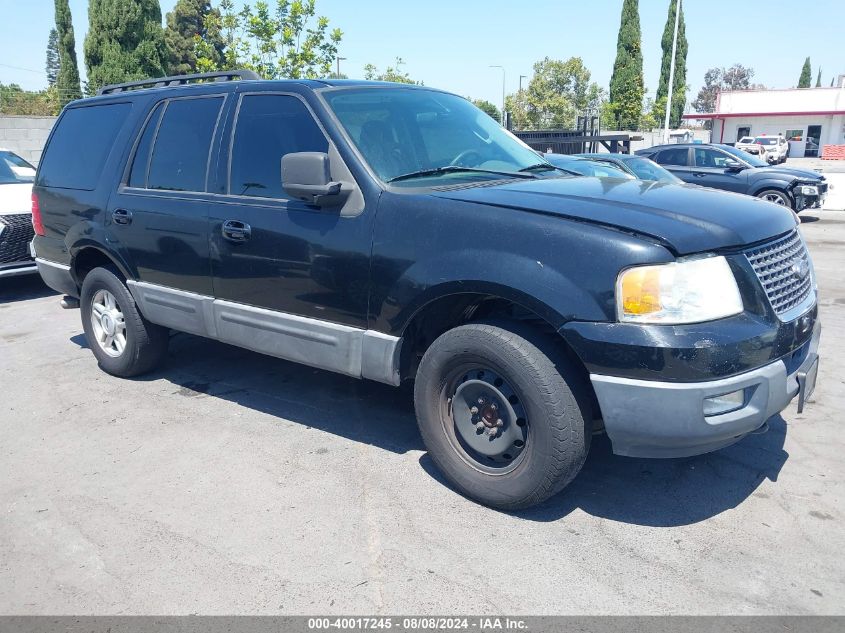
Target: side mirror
734 166
306 176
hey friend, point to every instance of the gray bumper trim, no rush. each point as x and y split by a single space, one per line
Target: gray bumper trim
14 271
645 418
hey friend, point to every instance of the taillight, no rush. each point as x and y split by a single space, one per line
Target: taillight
37 224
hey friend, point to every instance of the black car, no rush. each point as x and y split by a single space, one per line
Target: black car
637 166
728 168
396 232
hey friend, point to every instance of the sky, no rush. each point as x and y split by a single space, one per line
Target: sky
451 44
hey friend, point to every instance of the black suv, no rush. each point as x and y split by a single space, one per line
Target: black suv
728 168
393 232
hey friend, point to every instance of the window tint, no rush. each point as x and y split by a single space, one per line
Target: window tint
180 152
675 156
138 174
711 158
268 127
80 146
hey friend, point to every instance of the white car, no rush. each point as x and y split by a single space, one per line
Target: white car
776 148
16 176
749 145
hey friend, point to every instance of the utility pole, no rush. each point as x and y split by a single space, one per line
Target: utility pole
521 77
503 91
671 74
337 72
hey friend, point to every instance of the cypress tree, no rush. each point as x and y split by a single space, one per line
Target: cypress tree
819 78
67 79
679 87
125 41
626 83
806 75
186 22
51 67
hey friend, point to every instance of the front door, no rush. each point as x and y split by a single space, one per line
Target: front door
814 136
712 170
278 254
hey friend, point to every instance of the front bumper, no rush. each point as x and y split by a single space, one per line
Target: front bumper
649 418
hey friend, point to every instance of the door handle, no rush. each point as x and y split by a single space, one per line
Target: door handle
236 231
121 216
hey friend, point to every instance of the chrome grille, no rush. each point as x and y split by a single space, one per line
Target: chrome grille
783 268
15 236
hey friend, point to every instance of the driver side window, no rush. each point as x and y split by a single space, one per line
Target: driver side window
711 158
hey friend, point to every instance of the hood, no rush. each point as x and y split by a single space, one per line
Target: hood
687 219
786 173
15 198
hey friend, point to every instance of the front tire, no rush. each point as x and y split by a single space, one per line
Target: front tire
504 414
777 197
123 341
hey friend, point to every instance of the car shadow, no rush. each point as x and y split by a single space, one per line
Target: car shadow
648 492
24 288
807 219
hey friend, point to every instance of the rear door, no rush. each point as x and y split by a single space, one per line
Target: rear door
677 161
158 217
711 170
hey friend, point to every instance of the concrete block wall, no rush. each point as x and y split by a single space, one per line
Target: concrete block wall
25 135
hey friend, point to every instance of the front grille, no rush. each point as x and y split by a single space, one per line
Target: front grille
15 237
783 268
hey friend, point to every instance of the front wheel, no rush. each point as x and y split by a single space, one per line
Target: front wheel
503 413
776 196
123 341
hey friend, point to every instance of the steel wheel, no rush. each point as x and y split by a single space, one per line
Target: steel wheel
108 323
484 420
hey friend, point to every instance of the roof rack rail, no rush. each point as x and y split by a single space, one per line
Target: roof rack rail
178 80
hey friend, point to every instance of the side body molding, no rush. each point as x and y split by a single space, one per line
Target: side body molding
340 348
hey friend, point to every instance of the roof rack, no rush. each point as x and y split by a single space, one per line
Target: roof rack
178 80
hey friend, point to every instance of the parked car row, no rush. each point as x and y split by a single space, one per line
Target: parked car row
394 232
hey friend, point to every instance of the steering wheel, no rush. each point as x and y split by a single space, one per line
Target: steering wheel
460 158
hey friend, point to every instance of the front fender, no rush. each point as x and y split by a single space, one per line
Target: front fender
771 183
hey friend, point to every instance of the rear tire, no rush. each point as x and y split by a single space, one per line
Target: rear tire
123 341
543 406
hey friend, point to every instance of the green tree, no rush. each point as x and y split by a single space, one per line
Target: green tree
67 79
806 75
626 82
489 108
558 92
679 89
396 75
125 41
51 66
185 24
15 100
717 80
290 41
819 78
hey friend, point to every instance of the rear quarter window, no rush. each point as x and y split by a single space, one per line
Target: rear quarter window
80 145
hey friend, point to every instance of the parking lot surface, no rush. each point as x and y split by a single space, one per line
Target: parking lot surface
228 482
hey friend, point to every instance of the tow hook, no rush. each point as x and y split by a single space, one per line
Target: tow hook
69 303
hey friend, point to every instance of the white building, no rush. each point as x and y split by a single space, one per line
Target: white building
808 117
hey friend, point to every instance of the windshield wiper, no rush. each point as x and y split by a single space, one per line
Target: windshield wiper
549 167
453 168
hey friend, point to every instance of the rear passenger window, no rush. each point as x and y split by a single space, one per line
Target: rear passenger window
180 153
80 145
678 156
138 174
268 127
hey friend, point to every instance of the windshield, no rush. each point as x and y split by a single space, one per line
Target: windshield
14 169
767 141
402 131
745 157
647 169
746 139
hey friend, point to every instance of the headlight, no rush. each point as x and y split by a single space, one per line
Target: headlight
688 291
809 190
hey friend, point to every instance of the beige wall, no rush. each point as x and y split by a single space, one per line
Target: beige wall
25 135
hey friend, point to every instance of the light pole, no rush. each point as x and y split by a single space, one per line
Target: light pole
338 60
521 77
503 91
671 74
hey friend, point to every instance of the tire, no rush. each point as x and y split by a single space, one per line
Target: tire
144 344
776 196
541 396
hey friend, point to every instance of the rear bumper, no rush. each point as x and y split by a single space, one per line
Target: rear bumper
57 276
648 418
